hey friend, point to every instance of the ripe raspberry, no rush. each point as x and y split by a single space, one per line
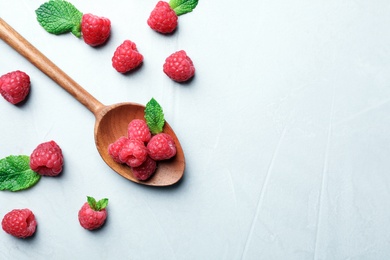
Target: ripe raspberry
15 86
145 170
115 148
93 214
161 147
138 129
126 57
163 18
95 29
133 153
179 67
47 159
20 223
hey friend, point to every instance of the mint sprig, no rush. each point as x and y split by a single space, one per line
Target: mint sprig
59 16
97 205
154 116
183 6
15 173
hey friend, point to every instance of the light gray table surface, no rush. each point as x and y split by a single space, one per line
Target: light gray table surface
285 130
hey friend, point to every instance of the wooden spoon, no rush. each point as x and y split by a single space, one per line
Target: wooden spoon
111 121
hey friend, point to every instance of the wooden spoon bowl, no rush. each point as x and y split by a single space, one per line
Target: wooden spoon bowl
111 121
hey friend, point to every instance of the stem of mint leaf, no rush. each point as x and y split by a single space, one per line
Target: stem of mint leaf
59 16
16 174
183 6
154 116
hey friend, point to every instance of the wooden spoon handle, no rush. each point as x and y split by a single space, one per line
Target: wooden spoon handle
26 49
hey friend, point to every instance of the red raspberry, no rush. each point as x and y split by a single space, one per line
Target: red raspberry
47 159
92 214
15 86
145 170
126 57
133 153
95 29
161 147
179 67
115 148
20 223
138 129
163 18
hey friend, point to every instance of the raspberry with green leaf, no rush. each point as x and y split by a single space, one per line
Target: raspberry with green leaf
164 16
59 16
161 146
132 151
93 214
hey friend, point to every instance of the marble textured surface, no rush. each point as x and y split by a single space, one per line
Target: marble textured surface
285 128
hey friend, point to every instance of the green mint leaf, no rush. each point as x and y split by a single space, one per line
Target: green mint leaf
183 6
16 174
59 16
154 116
97 205
92 202
102 204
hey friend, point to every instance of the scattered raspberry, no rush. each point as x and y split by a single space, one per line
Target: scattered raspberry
179 67
15 86
138 129
133 153
95 29
145 170
93 214
20 223
161 147
115 148
47 159
126 57
163 18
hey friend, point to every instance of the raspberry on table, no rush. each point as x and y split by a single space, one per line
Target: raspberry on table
145 170
138 129
15 86
47 159
93 214
133 153
126 57
161 147
20 223
115 148
179 67
163 18
95 29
